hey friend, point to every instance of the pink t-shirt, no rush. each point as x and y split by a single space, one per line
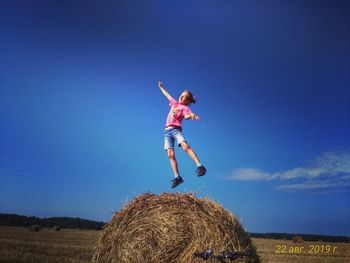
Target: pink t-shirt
176 113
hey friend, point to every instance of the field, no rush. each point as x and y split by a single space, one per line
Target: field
18 244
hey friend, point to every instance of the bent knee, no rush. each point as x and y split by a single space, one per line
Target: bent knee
185 146
171 154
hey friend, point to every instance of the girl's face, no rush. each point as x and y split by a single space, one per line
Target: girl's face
184 98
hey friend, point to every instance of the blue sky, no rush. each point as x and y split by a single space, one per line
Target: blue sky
82 117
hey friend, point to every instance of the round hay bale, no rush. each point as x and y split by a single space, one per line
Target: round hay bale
171 228
34 228
298 239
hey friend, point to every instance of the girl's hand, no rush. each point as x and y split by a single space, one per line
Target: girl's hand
166 94
194 117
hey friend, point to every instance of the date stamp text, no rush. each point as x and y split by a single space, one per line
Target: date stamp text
309 249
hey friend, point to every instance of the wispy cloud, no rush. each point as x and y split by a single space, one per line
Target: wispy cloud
331 170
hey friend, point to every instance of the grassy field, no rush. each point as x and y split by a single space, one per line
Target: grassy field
18 244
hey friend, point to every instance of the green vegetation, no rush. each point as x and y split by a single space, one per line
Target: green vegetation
62 222
306 237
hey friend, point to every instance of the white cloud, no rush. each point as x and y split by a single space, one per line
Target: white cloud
303 186
248 174
319 174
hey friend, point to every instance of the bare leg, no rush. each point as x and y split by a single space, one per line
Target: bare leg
190 152
173 162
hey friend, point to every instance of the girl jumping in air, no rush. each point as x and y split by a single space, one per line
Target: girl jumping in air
173 131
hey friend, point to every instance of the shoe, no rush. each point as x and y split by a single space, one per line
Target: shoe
178 180
201 170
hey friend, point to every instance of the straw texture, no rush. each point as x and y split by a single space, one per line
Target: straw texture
169 228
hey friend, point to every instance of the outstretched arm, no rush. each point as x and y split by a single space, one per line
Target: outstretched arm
166 94
192 116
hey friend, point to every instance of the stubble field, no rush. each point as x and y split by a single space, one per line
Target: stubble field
18 244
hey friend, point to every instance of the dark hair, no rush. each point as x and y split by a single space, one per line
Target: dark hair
190 97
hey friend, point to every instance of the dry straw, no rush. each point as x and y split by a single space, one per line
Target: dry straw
170 228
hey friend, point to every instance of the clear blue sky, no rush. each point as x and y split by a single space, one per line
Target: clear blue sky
82 117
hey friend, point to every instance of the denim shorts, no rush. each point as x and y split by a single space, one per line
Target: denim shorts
170 135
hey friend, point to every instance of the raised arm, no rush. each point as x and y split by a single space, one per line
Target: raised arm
166 94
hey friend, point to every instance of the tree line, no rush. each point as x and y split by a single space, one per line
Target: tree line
78 223
306 237
63 222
